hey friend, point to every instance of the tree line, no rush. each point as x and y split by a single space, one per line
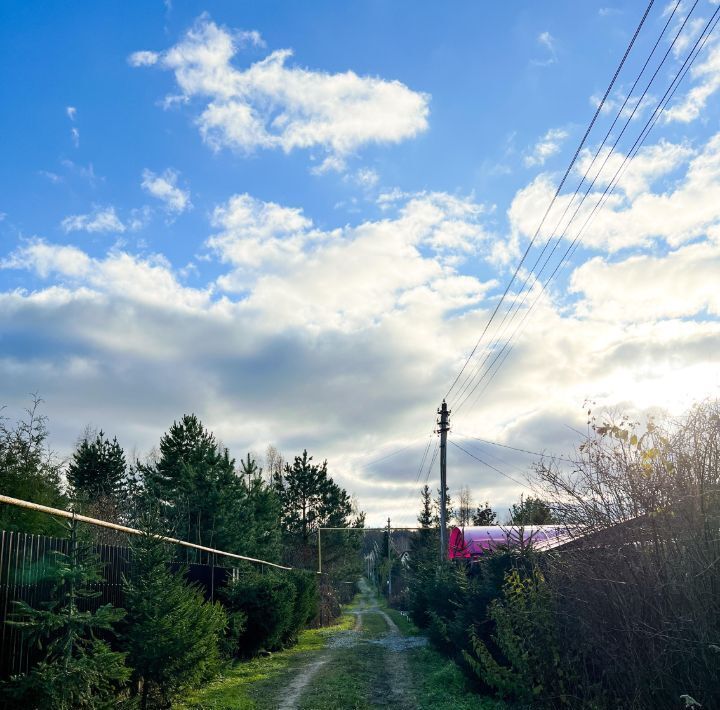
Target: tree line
171 634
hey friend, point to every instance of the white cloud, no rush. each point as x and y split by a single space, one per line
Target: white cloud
164 188
71 112
75 135
273 105
143 59
646 287
256 232
635 215
366 178
344 329
546 147
101 219
547 41
346 278
707 77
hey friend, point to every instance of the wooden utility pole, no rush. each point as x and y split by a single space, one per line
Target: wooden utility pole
444 427
389 564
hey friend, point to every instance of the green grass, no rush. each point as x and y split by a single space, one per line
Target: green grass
437 681
348 681
247 685
373 624
353 678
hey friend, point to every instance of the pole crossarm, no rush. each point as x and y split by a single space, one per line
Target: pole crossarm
131 531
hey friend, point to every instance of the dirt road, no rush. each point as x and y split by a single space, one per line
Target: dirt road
363 667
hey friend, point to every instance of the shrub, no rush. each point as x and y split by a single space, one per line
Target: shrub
306 605
267 600
528 665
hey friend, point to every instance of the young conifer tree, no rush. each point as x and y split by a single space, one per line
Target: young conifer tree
171 634
78 670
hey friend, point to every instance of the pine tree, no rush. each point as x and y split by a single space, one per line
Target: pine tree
311 499
484 515
531 511
97 469
77 669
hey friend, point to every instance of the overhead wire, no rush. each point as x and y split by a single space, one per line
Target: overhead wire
557 193
662 104
517 448
494 468
514 307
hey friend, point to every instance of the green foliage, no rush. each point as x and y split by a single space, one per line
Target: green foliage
97 469
310 499
484 516
528 665
531 511
305 608
77 670
172 634
194 486
200 497
276 606
29 471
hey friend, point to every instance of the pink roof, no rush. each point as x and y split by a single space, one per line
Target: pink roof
474 541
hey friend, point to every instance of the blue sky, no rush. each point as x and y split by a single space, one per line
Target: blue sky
302 215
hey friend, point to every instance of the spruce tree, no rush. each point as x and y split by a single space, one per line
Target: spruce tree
484 515
194 486
97 469
172 635
77 669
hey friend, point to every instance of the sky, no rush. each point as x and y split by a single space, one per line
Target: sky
296 219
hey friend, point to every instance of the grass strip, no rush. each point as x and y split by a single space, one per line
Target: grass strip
251 685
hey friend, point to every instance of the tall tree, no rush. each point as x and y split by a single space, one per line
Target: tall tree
484 515
531 511
97 469
30 471
194 485
311 499
465 507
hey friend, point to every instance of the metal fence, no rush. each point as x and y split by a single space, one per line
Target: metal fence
25 563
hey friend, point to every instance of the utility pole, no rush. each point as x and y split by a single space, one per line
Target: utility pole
389 564
444 427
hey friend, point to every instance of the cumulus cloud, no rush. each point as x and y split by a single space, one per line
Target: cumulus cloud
101 219
274 104
646 207
707 82
341 325
164 188
546 147
645 287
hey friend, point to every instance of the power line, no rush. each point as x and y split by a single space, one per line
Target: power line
557 193
517 448
564 261
514 308
485 463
